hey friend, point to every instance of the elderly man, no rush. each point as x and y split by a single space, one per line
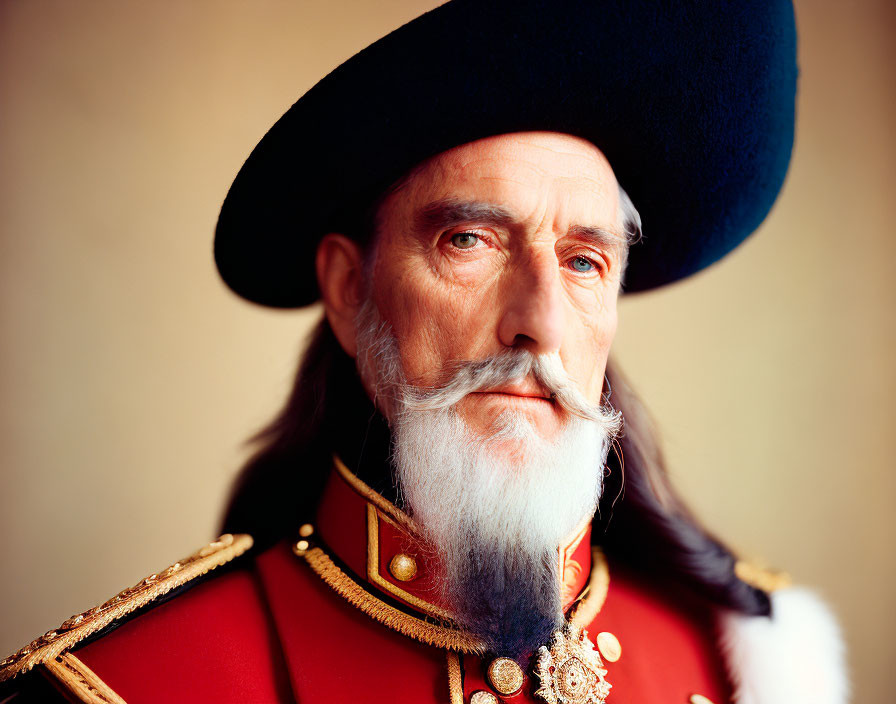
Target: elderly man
463 500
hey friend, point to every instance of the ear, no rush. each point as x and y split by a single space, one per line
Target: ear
340 279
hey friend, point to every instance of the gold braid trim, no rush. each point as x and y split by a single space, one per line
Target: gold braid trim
389 616
373 497
455 678
373 570
78 682
586 609
53 643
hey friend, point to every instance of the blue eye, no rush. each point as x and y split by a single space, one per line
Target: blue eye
464 240
581 264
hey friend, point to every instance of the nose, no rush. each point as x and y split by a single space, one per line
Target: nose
533 315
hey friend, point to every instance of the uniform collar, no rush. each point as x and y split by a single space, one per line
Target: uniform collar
381 545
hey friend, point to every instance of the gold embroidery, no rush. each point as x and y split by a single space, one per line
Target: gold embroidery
569 569
80 682
580 615
373 568
53 643
570 575
571 670
426 632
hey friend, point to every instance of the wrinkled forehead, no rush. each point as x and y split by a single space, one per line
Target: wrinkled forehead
532 175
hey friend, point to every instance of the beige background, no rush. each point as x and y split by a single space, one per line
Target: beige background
130 377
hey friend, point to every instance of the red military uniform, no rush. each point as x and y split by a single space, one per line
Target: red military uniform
337 617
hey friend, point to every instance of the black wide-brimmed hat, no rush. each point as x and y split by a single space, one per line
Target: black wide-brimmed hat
691 101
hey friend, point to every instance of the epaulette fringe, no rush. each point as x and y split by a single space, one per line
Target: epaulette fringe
52 644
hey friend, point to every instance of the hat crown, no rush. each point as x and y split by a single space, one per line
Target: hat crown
691 102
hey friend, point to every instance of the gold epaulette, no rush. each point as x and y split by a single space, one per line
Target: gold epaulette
760 576
47 649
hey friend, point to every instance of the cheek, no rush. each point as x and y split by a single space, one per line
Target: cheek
590 344
434 323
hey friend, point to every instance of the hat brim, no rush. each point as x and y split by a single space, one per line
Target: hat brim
692 103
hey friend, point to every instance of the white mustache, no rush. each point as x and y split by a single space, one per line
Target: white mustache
507 367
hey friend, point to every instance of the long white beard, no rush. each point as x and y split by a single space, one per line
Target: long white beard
461 488
495 507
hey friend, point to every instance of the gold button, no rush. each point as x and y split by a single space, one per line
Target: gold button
609 647
483 697
306 530
403 567
699 699
505 676
301 547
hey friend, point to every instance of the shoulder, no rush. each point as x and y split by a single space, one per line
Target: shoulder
795 654
166 623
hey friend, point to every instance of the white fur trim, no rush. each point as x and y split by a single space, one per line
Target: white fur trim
795 657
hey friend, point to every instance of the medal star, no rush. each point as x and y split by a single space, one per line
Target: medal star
571 671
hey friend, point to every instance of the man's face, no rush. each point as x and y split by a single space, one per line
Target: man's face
491 311
507 242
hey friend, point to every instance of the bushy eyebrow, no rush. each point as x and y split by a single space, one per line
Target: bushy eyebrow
449 212
445 213
600 237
